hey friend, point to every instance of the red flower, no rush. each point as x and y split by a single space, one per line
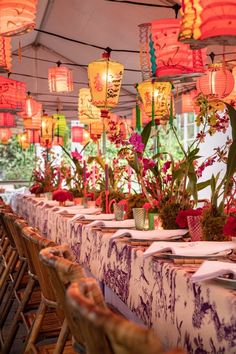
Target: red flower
123 202
181 218
61 195
230 226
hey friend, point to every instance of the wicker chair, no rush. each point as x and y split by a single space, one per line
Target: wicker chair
104 331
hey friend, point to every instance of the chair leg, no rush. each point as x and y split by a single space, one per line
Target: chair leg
35 328
9 268
15 322
62 338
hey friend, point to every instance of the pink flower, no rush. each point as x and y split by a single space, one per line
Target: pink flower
76 155
181 218
136 141
166 166
230 226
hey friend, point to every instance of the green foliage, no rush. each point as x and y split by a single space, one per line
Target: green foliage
15 163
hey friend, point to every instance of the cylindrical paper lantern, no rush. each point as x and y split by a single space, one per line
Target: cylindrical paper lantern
217 83
5 54
105 78
17 17
5 135
88 113
47 130
232 97
60 79
7 120
59 125
206 22
77 134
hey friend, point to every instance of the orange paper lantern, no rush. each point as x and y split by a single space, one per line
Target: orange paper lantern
17 17
206 22
5 54
217 83
188 102
5 135
60 79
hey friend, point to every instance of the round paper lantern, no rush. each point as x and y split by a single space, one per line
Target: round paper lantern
5 135
168 57
105 78
17 17
206 22
5 54
12 95
23 140
88 113
59 125
217 83
188 102
7 119
60 79
33 136
158 93
232 97
77 134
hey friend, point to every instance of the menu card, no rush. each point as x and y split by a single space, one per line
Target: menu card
190 249
213 269
151 234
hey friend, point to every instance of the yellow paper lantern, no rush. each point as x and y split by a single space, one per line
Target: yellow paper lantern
59 125
23 140
159 95
47 130
88 113
105 78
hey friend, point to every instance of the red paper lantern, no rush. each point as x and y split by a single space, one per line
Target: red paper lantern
5 135
77 134
7 119
5 54
171 57
206 22
217 83
33 136
12 95
17 17
188 102
60 79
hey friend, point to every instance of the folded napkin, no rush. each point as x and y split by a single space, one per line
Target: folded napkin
151 234
213 269
190 249
69 210
85 211
113 224
99 217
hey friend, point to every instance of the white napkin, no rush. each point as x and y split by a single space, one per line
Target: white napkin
213 269
192 249
112 224
69 210
99 217
151 234
85 211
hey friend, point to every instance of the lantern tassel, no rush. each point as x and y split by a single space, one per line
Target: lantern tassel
19 53
138 120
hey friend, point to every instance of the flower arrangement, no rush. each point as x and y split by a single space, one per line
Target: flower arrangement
62 195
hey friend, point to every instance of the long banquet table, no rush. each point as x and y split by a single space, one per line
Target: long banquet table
200 317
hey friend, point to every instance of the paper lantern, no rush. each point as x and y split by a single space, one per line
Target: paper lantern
5 54
59 125
144 42
217 83
33 136
206 22
5 135
12 95
17 17
77 134
88 113
60 79
34 122
23 140
188 102
158 93
169 57
232 97
7 120
47 130
105 78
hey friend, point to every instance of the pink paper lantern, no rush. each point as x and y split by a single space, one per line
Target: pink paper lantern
173 58
217 83
7 119
60 79
12 95
77 134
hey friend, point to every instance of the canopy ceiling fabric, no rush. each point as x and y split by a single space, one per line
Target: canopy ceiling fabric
102 23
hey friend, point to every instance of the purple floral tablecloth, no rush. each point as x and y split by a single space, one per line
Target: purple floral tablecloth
200 317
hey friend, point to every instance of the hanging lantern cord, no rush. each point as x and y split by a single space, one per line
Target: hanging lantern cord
176 9
108 51
212 56
58 63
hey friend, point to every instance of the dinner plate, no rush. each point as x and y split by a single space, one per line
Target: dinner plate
231 283
153 239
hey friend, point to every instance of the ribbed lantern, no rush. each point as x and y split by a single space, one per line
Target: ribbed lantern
105 78
77 134
17 17
47 129
156 98
5 54
5 135
23 140
206 22
169 57
188 102
7 120
88 113
34 122
217 83
59 125
12 95
60 79
232 97
33 136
